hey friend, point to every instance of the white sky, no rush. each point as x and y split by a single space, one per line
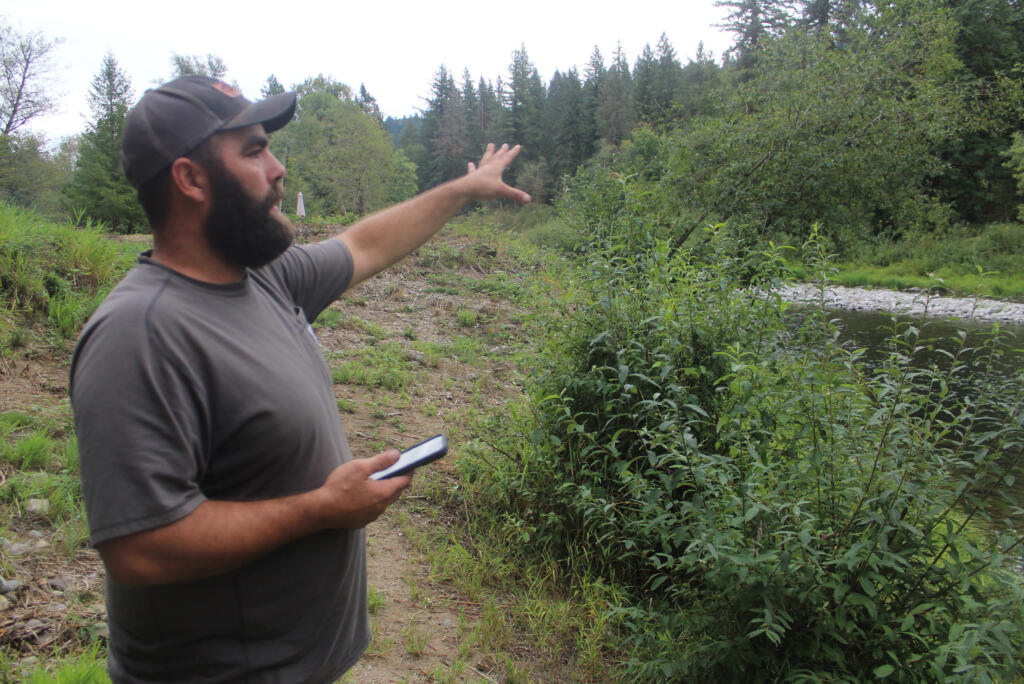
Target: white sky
393 46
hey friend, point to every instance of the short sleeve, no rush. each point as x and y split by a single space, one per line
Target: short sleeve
314 275
141 428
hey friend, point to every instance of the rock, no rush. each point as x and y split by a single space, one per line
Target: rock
36 534
60 584
36 627
906 302
447 622
4 603
18 549
38 506
9 586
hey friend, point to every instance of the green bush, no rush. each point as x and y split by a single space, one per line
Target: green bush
775 509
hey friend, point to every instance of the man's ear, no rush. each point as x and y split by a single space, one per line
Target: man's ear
191 179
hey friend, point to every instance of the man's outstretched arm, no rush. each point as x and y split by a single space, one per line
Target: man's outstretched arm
220 536
386 237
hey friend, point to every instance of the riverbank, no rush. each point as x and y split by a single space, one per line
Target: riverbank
906 303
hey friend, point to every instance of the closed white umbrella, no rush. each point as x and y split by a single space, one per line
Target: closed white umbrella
300 207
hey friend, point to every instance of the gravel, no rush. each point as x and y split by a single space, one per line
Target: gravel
911 303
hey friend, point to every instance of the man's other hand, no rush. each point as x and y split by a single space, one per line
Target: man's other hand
352 500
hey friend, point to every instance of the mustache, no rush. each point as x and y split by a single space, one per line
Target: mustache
275 195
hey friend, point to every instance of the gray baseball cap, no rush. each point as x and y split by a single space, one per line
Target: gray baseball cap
174 119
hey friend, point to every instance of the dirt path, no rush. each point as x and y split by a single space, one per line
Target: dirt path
447 347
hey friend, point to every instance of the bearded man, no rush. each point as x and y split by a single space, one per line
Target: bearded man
220 490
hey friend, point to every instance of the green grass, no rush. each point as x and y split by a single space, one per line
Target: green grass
42 454
88 668
467 318
563 626
462 348
374 600
329 318
985 261
54 273
415 640
380 365
369 328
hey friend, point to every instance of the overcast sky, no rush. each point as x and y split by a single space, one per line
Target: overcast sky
394 47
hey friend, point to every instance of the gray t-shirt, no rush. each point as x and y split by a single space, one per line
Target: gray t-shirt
185 391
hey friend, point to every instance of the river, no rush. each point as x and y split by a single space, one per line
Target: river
870 330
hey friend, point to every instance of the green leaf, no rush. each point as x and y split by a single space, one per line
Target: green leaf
883 671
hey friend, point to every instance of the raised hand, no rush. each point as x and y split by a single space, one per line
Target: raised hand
483 180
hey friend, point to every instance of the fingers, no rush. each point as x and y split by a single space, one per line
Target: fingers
504 155
483 180
385 460
381 461
488 153
521 196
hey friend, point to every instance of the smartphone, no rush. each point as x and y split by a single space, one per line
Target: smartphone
412 458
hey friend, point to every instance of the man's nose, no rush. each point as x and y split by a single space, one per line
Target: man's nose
277 170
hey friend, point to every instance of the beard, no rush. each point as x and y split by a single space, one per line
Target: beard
242 229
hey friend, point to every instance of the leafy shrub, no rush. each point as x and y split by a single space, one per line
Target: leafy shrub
774 508
1016 163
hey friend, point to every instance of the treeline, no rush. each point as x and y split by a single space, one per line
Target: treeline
561 123
878 119
337 151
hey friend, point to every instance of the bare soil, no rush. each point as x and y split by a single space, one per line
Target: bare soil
421 626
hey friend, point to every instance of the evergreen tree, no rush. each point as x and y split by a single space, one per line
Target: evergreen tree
444 132
487 106
564 122
501 129
668 77
272 87
646 101
368 103
526 105
193 65
753 22
471 113
697 81
99 185
592 84
615 107
836 18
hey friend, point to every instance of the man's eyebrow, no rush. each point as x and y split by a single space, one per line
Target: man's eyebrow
258 140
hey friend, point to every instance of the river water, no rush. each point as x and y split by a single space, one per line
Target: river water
871 330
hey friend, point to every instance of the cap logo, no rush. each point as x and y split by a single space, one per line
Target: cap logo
226 89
